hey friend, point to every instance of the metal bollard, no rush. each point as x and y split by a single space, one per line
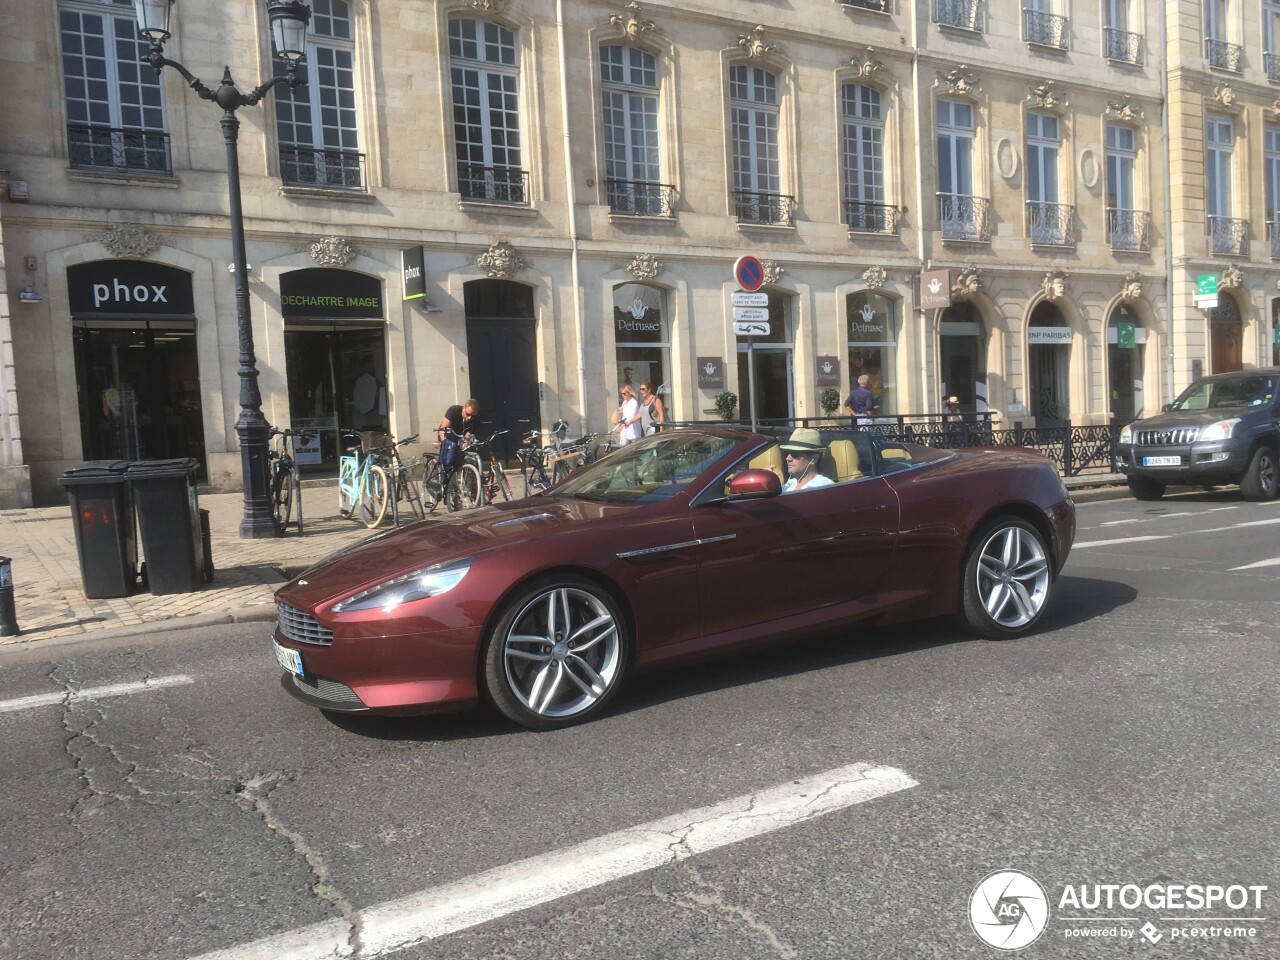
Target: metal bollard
8 614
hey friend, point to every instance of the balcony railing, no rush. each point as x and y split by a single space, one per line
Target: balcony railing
640 198
776 208
957 13
865 217
1050 224
1273 237
1223 55
92 147
1229 235
1121 46
1129 230
303 166
1271 62
508 185
963 217
880 6
1044 29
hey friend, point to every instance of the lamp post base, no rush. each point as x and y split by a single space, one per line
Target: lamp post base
257 522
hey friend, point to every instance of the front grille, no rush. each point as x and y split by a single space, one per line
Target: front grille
323 688
1165 438
302 627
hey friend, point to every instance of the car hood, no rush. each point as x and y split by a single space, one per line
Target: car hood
386 555
1192 418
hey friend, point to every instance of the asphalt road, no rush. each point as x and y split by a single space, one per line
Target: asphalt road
1132 741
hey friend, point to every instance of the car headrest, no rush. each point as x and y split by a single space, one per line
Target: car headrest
842 461
768 459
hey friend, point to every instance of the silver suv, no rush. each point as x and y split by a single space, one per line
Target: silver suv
1222 429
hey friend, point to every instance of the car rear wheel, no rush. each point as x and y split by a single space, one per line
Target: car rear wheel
1144 488
1007 579
557 653
1259 482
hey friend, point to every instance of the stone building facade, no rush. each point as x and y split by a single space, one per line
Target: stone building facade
518 199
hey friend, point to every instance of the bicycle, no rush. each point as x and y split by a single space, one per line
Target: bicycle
286 482
493 478
561 457
406 478
457 487
362 482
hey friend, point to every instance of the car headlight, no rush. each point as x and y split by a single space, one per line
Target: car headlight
417 585
1126 433
1220 430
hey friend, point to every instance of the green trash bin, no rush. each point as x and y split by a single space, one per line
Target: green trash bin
102 514
164 498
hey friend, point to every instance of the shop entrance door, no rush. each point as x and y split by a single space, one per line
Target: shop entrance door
1226 335
502 354
139 390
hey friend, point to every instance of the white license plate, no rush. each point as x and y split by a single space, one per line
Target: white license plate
291 660
1162 461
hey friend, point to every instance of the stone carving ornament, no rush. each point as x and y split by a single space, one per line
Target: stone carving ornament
632 27
866 65
645 266
1131 289
1230 276
1226 98
1047 98
487 6
501 261
874 277
961 80
773 271
968 283
128 240
332 251
1124 110
754 43
1054 285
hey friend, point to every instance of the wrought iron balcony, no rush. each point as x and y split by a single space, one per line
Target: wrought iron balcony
962 217
508 185
1271 61
957 13
750 207
640 198
305 166
1121 46
1050 224
880 6
1129 230
1044 29
1223 55
1273 236
870 217
1229 235
93 147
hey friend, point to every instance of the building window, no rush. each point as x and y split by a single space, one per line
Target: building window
632 164
757 165
872 325
115 111
1271 174
963 216
1227 234
1042 26
863 148
1119 41
642 337
1219 51
484 68
1127 226
316 122
1271 39
1048 220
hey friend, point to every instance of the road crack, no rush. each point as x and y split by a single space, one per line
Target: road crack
708 900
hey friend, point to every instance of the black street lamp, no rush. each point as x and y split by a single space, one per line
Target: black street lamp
289 19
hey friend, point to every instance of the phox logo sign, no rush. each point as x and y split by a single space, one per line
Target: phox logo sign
129 288
121 293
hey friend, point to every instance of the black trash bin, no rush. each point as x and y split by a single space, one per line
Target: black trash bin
164 498
102 513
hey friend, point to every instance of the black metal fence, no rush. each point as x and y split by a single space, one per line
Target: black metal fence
1075 450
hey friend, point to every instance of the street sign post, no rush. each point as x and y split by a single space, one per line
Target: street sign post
750 316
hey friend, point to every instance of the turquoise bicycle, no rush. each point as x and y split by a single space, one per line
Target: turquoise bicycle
362 482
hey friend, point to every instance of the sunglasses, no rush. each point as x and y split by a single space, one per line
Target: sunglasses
797 454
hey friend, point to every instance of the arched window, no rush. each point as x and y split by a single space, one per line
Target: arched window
1226 335
872 327
963 361
1126 350
642 337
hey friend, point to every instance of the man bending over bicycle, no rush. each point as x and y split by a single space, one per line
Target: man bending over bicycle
461 418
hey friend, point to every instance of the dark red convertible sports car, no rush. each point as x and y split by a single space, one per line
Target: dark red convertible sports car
681 545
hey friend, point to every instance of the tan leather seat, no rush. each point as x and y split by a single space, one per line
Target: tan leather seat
841 462
768 459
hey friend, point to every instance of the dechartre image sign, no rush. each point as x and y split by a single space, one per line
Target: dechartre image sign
324 293
129 288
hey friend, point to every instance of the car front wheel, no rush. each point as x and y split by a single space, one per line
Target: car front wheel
1259 481
1144 488
1007 579
557 653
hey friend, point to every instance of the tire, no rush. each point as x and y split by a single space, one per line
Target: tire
281 501
557 653
1259 482
295 484
431 492
467 482
1007 579
347 474
373 504
1144 488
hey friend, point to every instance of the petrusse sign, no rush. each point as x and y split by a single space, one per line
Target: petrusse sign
129 288
324 293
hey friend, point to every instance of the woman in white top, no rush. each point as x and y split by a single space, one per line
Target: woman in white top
651 413
628 426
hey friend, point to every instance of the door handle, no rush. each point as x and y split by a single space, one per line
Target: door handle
868 508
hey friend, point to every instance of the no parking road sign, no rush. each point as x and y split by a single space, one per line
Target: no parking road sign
749 273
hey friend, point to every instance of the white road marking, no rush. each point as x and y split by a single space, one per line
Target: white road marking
1273 562
439 911
1163 516
93 693
1107 543
1237 526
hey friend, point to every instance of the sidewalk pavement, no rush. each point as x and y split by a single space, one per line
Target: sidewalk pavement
49 594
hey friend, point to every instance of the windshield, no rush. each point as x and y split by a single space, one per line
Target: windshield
647 471
1218 394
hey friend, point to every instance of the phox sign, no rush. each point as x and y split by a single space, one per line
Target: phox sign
749 273
129 288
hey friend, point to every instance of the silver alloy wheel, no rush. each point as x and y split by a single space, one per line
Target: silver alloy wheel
562 652
1012 576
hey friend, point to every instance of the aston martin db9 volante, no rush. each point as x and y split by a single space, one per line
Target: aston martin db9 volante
685 544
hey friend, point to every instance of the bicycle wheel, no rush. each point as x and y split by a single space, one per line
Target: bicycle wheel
429 486
348 479
373 502
281 499
464 488
407 490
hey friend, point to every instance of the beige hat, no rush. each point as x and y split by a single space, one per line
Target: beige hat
803 441
953 399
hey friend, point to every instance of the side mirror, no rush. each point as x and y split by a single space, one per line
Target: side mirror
754 484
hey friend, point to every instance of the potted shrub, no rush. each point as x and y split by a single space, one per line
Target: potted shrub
726 403
829 400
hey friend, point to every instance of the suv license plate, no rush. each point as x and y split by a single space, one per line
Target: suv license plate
1162 461
291 660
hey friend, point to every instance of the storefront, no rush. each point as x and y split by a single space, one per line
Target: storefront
1126 349
872 323
335 357
963 349
1049 360
773 363
642 335
137 373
